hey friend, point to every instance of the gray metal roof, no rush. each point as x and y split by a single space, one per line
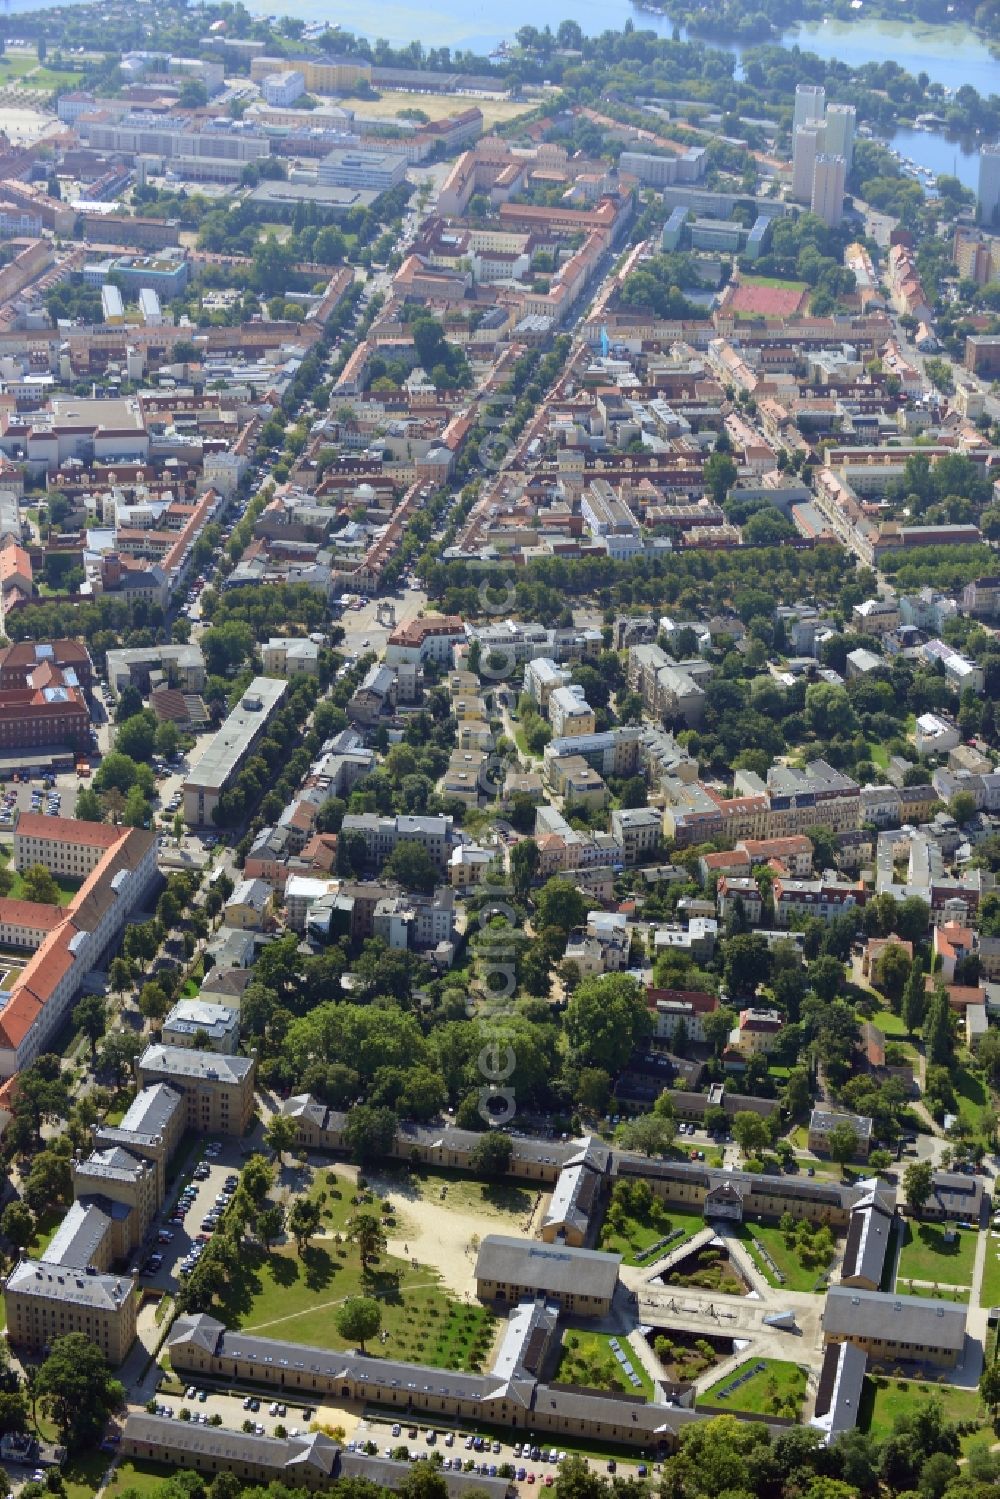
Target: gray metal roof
185 1062
53 1283
915 1320
554 1269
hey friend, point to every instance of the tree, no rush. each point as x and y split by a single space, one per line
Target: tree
136 737
939 1031
359 1319
257 1179
491 1154
49 1181
91 1018
74 1386
370 1132
280 1134
962 807
604 1020
717 1026
269 1223
524 859
914 1001
116 1053
652 1134
750 1132
912 916
719 475
14 1416
560 905
989 1385
365 1230
304 1220
153 1001
892 969
18 1224
412 866
37 884
918 1181
842 1143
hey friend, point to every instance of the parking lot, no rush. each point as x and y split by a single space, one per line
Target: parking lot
33 796
460 1449
193 1196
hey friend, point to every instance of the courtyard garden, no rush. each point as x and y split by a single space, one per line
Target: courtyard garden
792 1253
760 1387
710 1269
936 1254
883 1400
641 1228
685 1357
598 1361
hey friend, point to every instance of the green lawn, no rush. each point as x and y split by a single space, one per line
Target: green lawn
776 1388
926 1256
52 78
882 1400
141 1477
45 1227
973 1097
13 65
67 888
934 1293
890 1024
989 1291
633 1237
798 1277
587 1359
299 1298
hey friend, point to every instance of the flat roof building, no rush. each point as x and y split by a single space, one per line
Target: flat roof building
242 730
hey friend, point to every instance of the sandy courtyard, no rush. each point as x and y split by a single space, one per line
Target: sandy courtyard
440 1233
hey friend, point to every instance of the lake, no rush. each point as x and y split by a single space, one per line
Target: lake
949 55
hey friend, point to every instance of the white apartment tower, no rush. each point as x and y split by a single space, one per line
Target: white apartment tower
988 196
827 200
809 140
810 101
840 122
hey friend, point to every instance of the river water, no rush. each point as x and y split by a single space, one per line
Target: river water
949 55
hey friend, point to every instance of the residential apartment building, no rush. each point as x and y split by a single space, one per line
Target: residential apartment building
570 713
581 1281
230 749
45 1301
823 1121
217 1089
639 830
66 847
381 835
116 885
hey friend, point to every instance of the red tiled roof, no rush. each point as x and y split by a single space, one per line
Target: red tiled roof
31 913
766 301
700 1002
68 830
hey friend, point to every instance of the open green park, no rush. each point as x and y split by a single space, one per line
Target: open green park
281 1291
764 1387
